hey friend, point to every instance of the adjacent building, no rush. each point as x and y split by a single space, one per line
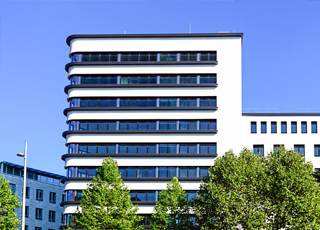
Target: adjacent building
43 195
164 105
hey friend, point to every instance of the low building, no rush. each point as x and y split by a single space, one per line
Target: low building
44 194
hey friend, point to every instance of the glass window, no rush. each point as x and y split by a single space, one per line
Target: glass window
263 127
208 125
168 79
138 102
283 127
317 150
188 79
207 56
253 127
52 197
191 195
188 56
168 102
208 102
294 127
38 213
314 127
273 127
168 148
168 57
188 148
27 192
27 212
304 127
146 172
52 216
39 194
203 172
167 125
188 102
208 79
187 125
187 172
167 172
299 149
208 149
258 149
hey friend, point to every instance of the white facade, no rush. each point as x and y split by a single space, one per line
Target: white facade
233 128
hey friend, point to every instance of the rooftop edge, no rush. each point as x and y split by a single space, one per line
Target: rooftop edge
173 35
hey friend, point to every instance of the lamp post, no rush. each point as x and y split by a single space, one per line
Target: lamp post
24 155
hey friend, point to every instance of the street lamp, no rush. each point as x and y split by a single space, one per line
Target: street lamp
24 155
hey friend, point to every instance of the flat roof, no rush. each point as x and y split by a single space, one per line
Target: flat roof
39 172
174 35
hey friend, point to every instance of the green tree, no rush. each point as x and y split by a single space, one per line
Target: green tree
255 192
172 210
8 202
106 204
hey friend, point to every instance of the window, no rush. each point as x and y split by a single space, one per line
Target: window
187 125
168 148
27 212
253 127
167 172
188 79
208 125
27 192
168 57
188 102
188 56
208 79
52 216
317 150
263 127
52 197
273 127
187 172
203 172
188 149
283 127
208 102
37 228
191 195
168 102
299 149
39 194
167 125
294 128
168 80
13 187
258 149
304 127
38 213
208 149
314 127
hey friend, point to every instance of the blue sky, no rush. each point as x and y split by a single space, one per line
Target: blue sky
280 57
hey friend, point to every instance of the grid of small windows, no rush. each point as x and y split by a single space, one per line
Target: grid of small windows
144 125
284 127
145 148
154 80
145 57
131 172
142 103
136 195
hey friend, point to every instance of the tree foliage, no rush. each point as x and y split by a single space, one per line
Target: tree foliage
253 192
106 204
172 209
8 203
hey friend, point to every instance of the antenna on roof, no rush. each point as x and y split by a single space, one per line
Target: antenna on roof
190 27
